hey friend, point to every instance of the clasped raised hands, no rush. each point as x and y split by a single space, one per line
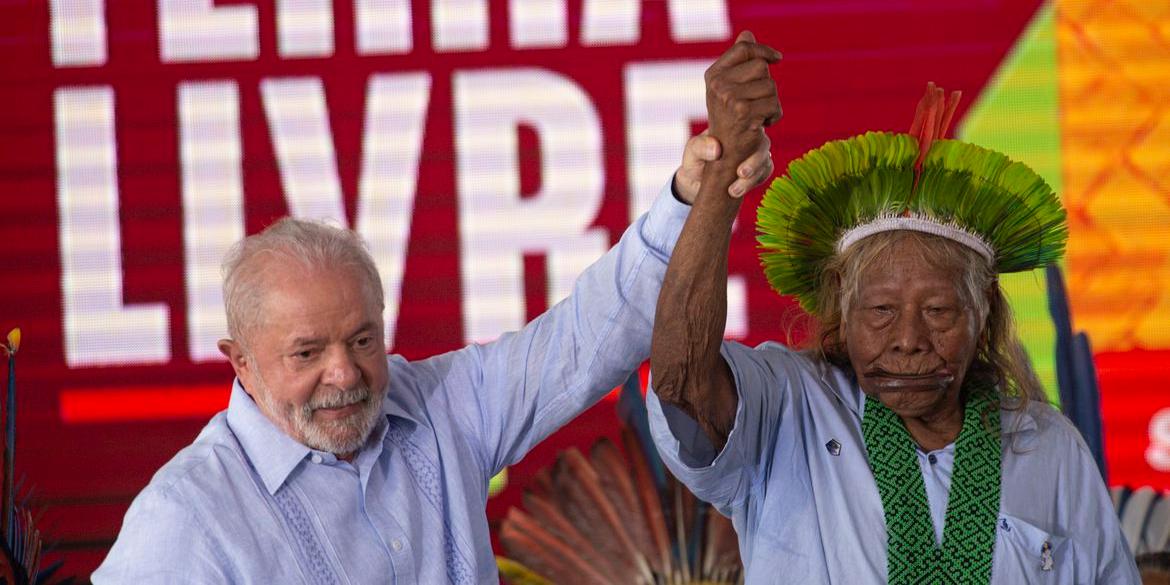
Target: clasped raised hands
741 102
741 96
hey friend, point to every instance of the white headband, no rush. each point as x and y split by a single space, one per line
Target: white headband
917 223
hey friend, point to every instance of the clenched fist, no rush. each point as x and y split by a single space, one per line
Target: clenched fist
741 96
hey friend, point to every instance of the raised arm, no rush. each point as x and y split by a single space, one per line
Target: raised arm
504 396
687 369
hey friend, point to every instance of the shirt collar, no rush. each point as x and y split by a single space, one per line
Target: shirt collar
391 407
276 455
842 384
273 454
402 398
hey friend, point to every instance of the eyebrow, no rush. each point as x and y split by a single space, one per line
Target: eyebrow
367 326
299 341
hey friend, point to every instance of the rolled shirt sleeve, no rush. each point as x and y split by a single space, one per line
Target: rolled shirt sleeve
725 478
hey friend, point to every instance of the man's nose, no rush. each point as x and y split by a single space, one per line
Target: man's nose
911 335
340 368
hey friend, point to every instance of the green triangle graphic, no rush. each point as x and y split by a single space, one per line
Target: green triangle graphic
1018 114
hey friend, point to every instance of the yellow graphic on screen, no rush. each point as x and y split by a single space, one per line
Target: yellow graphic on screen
1084 98
1115 125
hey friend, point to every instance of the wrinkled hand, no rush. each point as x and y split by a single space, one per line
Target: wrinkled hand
705 148
741 96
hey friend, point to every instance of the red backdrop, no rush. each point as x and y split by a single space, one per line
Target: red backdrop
112 386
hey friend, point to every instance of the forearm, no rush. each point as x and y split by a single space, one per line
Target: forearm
691 315
528 383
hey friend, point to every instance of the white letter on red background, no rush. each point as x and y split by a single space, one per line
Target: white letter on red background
305 28
298 121
396 108
459 25
213 204
696 21
496 226
99 329
396 111
383 27
197 30
616 22
537 23
662 99
78 28
1158 453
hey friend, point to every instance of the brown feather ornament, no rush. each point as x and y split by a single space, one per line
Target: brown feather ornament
604 519
545 554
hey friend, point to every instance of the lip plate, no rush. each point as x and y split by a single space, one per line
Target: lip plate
898 383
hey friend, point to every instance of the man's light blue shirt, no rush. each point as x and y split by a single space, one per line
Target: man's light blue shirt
245 503
795 480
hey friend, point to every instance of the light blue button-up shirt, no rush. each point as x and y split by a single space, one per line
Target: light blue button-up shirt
245 503
808 511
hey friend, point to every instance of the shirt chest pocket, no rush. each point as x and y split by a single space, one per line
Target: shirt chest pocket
1025 553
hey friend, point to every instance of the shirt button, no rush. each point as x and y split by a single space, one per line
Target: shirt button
932 459
396 544
315 458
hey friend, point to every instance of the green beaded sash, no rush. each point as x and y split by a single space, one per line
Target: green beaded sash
972 506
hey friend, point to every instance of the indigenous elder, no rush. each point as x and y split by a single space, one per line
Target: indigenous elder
336 464
911 443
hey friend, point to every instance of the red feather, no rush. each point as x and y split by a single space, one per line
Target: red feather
535 547
649 499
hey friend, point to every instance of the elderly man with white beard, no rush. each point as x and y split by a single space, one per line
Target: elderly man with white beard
334 463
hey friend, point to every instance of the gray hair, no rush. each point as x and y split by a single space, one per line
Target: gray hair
313 244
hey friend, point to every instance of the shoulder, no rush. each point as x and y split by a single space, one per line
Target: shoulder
1043 453
163 536
776 357
784 367
214 447
413 384
200 470
1051 479
1038 425
434 370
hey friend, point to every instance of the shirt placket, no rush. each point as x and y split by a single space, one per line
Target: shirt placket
390 532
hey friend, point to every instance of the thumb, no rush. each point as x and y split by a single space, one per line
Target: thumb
746 36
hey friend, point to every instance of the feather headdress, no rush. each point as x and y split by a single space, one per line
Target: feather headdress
847 190
614 519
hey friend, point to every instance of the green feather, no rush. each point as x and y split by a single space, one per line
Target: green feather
851 182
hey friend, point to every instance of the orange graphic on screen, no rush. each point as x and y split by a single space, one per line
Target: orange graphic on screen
1115 100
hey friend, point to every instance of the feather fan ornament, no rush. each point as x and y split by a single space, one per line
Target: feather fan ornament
849 189
605 520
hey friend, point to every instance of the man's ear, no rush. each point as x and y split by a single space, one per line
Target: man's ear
234 352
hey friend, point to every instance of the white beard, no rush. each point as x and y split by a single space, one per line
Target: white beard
340 437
